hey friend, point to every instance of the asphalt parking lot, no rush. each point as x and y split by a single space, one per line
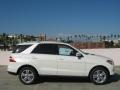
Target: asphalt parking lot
11 82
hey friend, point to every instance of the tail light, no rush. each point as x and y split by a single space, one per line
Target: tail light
11 59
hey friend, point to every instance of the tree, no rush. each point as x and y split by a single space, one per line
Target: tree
21 37
71 37
68 38
75 37
118 36
104 38
111 36
115 36
111 44
80 37
108 37
100 38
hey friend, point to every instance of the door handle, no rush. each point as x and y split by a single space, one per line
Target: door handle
61 59
34 58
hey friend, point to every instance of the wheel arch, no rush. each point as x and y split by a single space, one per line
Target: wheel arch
97 67
26 65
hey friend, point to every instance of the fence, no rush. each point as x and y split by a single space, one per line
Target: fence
89 45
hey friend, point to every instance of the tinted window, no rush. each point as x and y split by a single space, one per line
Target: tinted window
20 48
46 49
66 50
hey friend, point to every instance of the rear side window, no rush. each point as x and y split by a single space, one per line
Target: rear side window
20 48
46 49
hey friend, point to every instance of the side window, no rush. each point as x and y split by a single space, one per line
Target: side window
46 49
20 48
37 49
66 50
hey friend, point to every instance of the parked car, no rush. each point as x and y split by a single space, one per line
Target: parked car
34 59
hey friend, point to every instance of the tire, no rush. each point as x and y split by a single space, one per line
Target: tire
99 76
28 75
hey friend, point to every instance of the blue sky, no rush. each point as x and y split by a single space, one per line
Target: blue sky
60 16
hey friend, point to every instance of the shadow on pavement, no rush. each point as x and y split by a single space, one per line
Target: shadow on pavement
42 79
63 79
114 78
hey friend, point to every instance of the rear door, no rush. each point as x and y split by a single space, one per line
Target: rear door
44 58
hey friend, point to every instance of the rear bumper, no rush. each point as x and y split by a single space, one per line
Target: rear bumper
12 73
13 67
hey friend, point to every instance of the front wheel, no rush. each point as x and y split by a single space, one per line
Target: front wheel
28 75
99 76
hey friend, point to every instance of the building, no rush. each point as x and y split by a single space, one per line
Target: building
42 37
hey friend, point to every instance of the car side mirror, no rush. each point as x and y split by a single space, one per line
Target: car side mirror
79 55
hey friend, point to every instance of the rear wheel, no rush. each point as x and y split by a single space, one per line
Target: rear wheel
99 75
28 75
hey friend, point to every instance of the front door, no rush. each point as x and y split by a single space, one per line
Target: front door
68 63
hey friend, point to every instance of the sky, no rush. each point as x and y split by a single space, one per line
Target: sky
54 17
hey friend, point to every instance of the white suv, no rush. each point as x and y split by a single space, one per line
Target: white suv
29 60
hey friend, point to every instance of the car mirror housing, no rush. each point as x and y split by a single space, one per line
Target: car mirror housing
79 55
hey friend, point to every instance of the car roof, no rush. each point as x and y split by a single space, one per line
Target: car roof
27 43
41 42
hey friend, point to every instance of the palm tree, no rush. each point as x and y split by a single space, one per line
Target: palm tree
97 37
111 36
75 37
104 38
68 39
118 35
80 37
88 38
4 39
108 37
83 37
21 37
115 35
1 39
33 38
71 37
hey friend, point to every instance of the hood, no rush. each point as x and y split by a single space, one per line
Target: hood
97 56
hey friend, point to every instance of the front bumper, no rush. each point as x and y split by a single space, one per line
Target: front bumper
112 70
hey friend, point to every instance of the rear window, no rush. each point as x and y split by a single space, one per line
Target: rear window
20 48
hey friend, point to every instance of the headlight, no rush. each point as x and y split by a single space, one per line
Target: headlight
110 62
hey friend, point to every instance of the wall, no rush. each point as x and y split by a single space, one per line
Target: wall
113 53
4 57
89 45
